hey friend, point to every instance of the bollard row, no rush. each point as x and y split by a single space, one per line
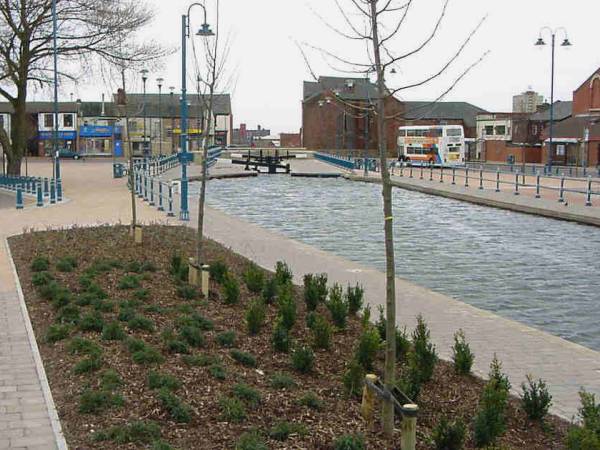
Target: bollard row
43 189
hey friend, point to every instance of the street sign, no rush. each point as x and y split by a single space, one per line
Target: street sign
186 157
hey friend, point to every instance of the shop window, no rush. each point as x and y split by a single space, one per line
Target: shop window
68 120
500 130
489 130
48 120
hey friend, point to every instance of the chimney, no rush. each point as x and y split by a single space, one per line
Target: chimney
103 112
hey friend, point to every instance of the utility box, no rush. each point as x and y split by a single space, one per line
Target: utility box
118 170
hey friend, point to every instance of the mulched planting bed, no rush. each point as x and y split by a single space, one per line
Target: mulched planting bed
118 321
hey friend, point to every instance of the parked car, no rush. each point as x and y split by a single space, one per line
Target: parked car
66 154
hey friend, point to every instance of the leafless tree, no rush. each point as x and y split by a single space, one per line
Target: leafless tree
375 26
90 34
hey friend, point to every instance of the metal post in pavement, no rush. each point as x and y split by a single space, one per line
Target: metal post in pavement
411 171
441 174
537 185
588 201
170 213
19 196
453 175
431 172
40 195
151 191
421 177
517 183
481 178
160 196
52 192
561 196
467 176
497 179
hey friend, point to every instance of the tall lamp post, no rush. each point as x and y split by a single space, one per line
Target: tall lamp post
160 124
540 43
56 168
144 73
184 157
172 89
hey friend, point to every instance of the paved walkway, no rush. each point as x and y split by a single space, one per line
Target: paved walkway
95 198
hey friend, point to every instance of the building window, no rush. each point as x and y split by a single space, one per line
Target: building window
48 120
68 120
488 130
500 130
534 130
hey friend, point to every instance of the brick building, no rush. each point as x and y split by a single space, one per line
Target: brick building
290 140
334 115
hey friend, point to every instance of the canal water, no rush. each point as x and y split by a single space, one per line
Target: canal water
539 271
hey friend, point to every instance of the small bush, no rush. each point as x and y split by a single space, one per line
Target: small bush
110 380
113 332
350 442
254 278
134 432
321 333
310 319
232 410
199 360
133 266
126 314
40 264
536 399
355 297
381 323
315 290
192 335
94 402
66 264
226 339
424 351
402 344
283 273
231 290
250 396
178 410
187 292
337 306
281 380
586 437
409 383
148 266
177 346
92 322
161 445
41 278
461 354
195 320
448 435
217 371
582 439
303 359
497 374
129 282
311 400
140 323
135 345
50 290
283 430
87 365
62 298
246 359
368 347
354 378
160 380
287 307
103 305
141 294
281 338
147 355
251 440
255 316
96 290
269 291
56 333
68 314
176 264
218 271
81 346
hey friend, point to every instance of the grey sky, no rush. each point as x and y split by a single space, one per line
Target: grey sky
269 69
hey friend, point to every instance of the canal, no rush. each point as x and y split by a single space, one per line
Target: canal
539 271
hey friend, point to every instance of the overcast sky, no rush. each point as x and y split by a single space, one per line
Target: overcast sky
268 68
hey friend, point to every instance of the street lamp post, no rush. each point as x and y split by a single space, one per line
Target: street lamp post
205 30
144 73
172 89
160 124
539 43
56 159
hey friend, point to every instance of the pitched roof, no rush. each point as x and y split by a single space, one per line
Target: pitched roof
574 128
170 103
343 87
562 110
443 110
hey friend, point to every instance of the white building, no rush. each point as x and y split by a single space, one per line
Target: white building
527 102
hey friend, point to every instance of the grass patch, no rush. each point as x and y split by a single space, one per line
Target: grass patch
282 380
113 332
110 380
245 359
41 278
40 264
192 336
311 400
94 402
92 322
200 360
135 432
56 333
247 394
66 264
232 410
217 371
178 410
226 339
283 430
87 365
140 323
160 380
129 282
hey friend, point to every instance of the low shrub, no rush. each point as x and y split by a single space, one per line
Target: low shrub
110 380
113 332
176 263
217 371
96 290
245 359
350 442
218 271
402 344
192 336
141 294
354 378
195 320
148 266
381 323
281 338
68 314
280 380
536 399
56 333
126 314
50 290
187 292
135 432
287 307
251 440
179 411
226 339
315 290
41 278
160 380
281 431
199 360
250 396
232 410
129 282
62 298
586 437
310 318
409 383
337 306
140 323
177 346
81 346
269 291
103 305
355 298
311 400
321 333
147 355
461 354
92 322
87 365
303 359
161 445
133 266
40 264
94 402
368 347
255 316
254 278
231 290
448 435
66 264
283 273
424 351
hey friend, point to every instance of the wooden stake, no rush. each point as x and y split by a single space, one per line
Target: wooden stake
367 408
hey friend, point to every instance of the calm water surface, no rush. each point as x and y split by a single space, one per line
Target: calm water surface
539 271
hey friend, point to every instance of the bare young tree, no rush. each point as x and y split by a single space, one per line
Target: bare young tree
89 31
375 25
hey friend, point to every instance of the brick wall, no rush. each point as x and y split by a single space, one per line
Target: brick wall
290 140
499 151
587 95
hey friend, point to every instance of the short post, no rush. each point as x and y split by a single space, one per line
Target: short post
205 282
367 407
19 196
517 183
498 180
431 172
46 188
588 201
481 178
152 191
561 196
59 190
537 185
137 234
441 174
411 172
408 428
402 170
52 192
170 213
160 196
146 186
467 176
193 272
141 183
454 175
421 177
40 195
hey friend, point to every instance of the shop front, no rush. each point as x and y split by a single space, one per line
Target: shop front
65 140
100 140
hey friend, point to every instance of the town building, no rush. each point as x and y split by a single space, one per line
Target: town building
527 102
291 140
245 137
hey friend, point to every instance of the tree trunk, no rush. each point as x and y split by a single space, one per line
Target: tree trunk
390 300
14 155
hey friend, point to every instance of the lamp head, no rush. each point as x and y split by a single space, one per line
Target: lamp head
566 43
171 88
159 81
205 31
393 71
144 73
540 42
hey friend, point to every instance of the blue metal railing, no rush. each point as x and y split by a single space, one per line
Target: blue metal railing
214 153
345 163
42 188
